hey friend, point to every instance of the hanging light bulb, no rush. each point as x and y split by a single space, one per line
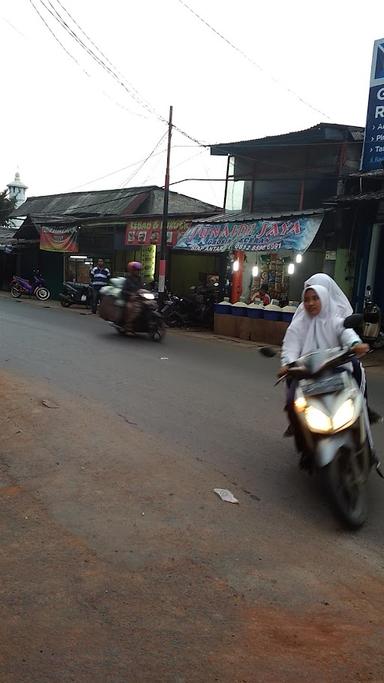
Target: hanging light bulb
236 265
255 271
299 258
291 268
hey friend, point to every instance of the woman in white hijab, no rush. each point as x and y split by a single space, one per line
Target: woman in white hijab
341 307
318 325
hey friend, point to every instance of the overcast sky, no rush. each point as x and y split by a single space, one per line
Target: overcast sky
66 123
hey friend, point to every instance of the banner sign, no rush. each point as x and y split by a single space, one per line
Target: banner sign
373 149
144 233
60 239
291 234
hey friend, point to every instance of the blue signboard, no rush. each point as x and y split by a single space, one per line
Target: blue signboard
293 234
373 149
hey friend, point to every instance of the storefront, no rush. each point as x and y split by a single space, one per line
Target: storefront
275 251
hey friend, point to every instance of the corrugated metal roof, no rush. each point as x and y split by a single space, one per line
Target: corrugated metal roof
320 133
109 202
377 173
241 217
361 197
6 234
121 202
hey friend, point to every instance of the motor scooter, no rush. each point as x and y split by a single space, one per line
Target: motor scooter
372 332
149 321
33 287
331 427
75 293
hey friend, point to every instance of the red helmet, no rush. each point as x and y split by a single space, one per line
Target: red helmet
135 265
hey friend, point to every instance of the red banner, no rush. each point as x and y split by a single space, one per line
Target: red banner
63 240
144 233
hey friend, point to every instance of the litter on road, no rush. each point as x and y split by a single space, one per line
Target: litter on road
49 404
226 495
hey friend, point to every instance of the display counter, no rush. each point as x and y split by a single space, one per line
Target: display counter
262 325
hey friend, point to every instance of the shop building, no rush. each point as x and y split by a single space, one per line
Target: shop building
293 174
280 181
71 231
361 207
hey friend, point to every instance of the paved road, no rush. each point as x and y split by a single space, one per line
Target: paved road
212 409
215 400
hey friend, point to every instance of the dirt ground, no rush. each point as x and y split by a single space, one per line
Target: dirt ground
119 565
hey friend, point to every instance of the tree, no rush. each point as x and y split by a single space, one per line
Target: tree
6 207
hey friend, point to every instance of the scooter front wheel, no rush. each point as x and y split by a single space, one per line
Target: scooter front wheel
42 293
158 334
15 292
345 480
65 304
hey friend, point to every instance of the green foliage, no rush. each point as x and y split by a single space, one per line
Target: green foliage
6 207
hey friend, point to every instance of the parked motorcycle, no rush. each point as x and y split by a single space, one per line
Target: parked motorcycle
332 422
372 332
193 310
149 321
75 293
33 287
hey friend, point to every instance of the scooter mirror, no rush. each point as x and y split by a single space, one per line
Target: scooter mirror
354 321
268 351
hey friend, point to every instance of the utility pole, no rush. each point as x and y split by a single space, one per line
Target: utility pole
164 225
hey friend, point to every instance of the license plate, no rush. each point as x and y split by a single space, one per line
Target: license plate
83 297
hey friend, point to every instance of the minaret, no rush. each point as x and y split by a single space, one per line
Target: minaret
16 191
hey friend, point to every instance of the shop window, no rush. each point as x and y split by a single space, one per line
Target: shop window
316 191
276 195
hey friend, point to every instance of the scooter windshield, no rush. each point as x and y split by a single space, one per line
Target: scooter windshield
315 360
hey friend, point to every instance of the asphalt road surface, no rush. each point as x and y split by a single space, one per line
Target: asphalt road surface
117 471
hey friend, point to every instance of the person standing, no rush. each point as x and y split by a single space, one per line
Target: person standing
99 276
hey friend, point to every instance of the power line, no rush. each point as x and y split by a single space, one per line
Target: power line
109 68
73 58
250 60
147 158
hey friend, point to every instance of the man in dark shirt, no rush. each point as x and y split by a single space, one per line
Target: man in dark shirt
99 276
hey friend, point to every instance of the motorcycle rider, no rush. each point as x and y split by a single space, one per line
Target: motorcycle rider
132 284
343 309
319 326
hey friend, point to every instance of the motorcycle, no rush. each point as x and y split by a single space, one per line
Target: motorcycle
372 332
75 293
33 287
195 309
331 432
149 321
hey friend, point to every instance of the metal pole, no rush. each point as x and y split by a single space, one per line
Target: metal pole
164 225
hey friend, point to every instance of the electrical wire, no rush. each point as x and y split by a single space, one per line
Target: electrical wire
147 158
73 58
252 61
109 68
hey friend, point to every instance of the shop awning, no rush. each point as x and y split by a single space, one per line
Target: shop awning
246 232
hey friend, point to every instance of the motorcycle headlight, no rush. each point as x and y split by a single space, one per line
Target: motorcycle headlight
300 404
148 295
317 421
344 415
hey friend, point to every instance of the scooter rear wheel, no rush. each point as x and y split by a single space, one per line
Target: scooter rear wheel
15 292
345 480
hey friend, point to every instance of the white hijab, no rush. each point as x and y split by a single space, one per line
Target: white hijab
309 333
342 307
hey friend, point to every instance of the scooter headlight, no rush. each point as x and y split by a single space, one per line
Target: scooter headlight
344 415
148 295
317 421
